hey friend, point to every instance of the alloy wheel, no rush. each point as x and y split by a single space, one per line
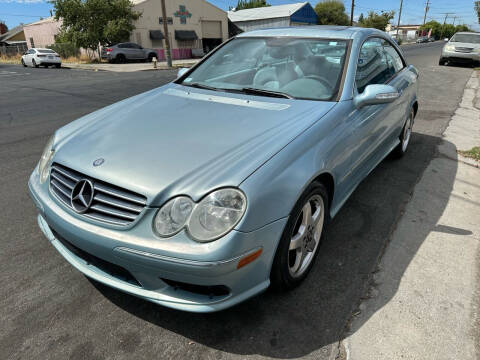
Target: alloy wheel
306 236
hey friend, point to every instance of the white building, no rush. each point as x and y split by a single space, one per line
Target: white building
194 26
274 16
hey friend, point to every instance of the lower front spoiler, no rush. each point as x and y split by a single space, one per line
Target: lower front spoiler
179 303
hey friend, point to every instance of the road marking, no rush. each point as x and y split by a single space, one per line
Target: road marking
11 73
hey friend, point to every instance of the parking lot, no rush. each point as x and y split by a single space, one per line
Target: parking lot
50 310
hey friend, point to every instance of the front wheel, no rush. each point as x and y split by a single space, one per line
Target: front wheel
441 62
401 148
23 63
301 238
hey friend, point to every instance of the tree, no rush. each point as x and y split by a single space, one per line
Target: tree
377 21
3 27
435 26
361 19
250 4
462 27
90 23
331 12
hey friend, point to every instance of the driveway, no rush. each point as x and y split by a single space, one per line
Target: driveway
49 310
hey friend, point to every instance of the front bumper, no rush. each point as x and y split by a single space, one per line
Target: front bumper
460 56
159 274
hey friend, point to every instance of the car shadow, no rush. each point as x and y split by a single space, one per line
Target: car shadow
317 313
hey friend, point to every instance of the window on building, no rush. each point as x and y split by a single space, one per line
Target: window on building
169 20
32 44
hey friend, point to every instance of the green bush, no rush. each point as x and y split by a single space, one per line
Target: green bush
65 49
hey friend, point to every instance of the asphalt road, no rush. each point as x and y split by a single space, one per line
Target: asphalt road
50 310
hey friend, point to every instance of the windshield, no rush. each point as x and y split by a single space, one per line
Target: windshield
282 67
466 38
46 51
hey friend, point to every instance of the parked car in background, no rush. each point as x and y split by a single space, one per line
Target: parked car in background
422 39
463 47
41 57
431 39
204 192
128 51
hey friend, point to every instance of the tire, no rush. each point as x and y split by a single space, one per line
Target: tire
405 137
301 239
441 62
23 63
120 58
58 66
150 57
34 63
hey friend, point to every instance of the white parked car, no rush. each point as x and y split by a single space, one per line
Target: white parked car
41 57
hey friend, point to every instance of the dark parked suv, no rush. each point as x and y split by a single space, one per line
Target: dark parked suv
127 51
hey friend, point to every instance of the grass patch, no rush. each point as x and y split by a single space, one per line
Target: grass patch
13 59
473 153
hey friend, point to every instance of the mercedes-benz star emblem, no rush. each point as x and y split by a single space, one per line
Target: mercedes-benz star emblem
82 196
98 162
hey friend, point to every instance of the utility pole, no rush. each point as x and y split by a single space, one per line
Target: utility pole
168 54
426 10
399 16
454 20
444 21
351 13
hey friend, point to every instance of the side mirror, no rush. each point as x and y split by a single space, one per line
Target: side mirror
182 71
376 94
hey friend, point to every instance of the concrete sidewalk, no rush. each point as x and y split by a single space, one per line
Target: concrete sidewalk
423 300
132 67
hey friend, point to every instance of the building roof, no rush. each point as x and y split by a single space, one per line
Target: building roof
43 21
11 33
268 12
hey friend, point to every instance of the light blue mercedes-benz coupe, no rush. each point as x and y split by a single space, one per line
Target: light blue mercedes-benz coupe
204 192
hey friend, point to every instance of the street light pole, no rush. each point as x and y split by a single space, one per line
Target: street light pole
399 16
168 54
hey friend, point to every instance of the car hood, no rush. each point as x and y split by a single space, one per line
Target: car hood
464 45
180 140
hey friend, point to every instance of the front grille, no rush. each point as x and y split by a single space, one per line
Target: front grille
463 49
110 204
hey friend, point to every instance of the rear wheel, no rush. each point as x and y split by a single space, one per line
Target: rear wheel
34 63
401 148
301 238
120 59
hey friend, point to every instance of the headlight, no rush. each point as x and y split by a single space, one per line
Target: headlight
449 48
173 216
216 215
47 155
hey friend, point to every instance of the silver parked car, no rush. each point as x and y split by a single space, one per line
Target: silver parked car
204 192
127 51
463 47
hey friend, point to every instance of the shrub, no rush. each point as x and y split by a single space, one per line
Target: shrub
65 49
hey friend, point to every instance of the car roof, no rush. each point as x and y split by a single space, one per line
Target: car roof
320 31
42 49
467 32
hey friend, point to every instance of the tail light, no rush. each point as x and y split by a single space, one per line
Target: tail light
108 49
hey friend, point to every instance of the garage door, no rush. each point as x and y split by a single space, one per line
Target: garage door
212 29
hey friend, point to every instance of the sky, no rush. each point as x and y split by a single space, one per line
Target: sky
14 12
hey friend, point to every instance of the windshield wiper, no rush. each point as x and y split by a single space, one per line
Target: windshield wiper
271 93
202 86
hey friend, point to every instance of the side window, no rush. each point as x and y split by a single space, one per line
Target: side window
394 60
377 63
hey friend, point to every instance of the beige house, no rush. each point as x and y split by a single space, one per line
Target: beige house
42 33
194 26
